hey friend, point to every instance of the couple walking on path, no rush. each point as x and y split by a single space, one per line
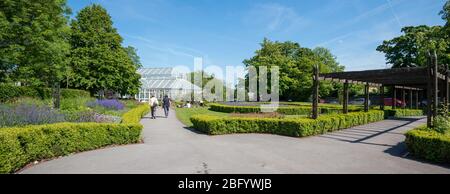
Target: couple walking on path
154 104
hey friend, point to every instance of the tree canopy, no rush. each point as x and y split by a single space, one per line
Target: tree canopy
132 53
38 47
295 64
99 61
412 48
33 41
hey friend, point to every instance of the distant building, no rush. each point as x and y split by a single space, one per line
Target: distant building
164 81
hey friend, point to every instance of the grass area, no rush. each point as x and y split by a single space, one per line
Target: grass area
184 114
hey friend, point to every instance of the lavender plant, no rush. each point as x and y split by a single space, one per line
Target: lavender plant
28 114
108 104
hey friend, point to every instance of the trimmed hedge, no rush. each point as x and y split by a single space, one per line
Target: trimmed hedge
429 144
10 92
135 115
289 110
286 126
403 112
22 145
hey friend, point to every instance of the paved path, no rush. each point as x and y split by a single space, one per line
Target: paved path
170 148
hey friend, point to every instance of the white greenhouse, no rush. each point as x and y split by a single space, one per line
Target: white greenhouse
164 81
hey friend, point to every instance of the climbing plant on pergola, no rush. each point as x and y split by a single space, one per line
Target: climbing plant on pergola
432 79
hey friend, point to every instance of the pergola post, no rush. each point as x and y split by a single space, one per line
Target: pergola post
410 99
382 97
417 99
315 94
366 97
435 85
403 98
394 98
429 92
446 89
345 103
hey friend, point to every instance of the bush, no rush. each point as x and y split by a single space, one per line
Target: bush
135 115
285 126
403 112
441 124
19 146
291 109
429 144
72 93
10 92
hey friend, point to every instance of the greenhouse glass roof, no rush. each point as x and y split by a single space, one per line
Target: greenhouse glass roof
163 78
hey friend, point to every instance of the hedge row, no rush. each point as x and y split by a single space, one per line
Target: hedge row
403 112
22 145
289 110
290 127
10 92
135 115
429 144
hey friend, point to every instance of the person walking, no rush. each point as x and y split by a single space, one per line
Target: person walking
166 105
153 104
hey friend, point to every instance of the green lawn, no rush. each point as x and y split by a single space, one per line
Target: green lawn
184 114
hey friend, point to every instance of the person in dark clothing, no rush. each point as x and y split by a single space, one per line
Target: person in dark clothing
166 105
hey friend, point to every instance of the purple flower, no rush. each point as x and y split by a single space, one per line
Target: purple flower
109 104
28 114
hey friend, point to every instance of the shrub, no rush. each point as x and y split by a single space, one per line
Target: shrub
429 144
90 116
75 104
19 146
441 124
134 115
72 93
403 112
10 92
291 109
283 126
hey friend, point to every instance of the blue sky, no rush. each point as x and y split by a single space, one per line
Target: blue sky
225 32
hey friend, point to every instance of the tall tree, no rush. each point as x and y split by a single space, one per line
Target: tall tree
295 64
33 41
132 53
411 49
98 59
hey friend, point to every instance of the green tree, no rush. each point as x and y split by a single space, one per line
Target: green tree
132 53
295 64
99 61
411 49
33 41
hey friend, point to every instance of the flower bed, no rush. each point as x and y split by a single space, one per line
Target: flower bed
22 145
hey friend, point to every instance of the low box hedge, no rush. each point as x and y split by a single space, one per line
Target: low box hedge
428 144
403 112
10 92
287 110
22 145
283 126
135 115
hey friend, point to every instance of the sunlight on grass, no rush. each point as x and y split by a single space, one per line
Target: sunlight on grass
184 114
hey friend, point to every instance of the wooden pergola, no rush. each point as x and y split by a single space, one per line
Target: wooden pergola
433 79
